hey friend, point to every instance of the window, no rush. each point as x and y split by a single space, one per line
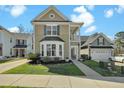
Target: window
18 42
42 50
54 30
48 50
60 50
100 41
51 30
53 50
48 30
51 16
10 40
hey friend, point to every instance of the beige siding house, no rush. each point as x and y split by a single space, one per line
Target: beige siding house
55 35
97 46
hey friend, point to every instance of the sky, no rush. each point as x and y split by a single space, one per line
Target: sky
108 19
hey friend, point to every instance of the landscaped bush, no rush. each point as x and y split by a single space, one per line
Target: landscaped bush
85 57
35 58
102 64
122 69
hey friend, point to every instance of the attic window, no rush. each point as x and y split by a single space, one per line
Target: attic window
52 16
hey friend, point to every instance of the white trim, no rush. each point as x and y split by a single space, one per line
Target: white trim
51 29
52 15
76 51
49 9
101 34
57 43
69 44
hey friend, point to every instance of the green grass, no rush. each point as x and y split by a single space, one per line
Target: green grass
49 69
95 66
9 60
12 87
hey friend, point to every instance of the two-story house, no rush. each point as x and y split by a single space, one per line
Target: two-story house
97 46
55 35
14 44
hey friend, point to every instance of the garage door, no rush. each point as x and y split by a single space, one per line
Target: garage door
100 54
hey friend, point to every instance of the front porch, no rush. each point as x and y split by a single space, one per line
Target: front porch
19 52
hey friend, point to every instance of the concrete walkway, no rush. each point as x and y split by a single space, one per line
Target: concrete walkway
86 70
6 66
58 81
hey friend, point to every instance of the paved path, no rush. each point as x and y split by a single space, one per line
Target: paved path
58 81
6 66
86 70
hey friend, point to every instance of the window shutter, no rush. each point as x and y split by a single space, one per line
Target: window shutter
98 41
103 41
58 30
44 29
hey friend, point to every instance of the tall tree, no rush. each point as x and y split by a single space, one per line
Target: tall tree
119 42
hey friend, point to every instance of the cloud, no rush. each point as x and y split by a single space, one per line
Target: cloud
109 13
15 10
120 9
14 29
90 7
82 16
90 29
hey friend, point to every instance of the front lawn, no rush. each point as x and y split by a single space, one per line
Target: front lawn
49 69
95 66
9 60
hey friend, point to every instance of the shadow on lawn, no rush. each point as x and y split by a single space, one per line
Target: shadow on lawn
61 68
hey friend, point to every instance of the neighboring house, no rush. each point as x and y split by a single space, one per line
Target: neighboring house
14 44
97 46
55 35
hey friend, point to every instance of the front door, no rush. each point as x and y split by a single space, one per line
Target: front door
73 53
22 53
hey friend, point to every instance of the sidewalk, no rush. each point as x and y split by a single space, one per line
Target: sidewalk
6 66
58 81
86 70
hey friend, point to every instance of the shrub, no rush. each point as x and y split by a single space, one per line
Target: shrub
85 57
33 57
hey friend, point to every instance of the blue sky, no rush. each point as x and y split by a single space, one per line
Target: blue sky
100 18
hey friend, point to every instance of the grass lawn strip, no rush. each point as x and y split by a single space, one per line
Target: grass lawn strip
95 66
49 69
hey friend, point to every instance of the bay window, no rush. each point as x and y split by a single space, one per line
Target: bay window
52 49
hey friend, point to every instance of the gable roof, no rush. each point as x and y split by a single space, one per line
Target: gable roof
4 29
93 37
47 10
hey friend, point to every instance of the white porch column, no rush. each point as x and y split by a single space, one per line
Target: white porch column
79 43
69 43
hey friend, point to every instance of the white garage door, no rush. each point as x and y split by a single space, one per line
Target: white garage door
100 54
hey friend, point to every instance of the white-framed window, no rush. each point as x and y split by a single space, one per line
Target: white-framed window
60 50
51 16
53 49
49 49
51 30
42 50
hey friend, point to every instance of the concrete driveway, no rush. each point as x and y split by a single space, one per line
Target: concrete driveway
6 66
58 81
